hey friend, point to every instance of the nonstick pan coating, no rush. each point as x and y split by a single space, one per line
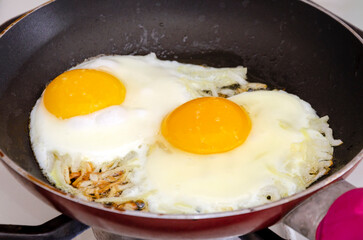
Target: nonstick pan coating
287 44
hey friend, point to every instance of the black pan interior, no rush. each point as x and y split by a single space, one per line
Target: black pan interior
286 44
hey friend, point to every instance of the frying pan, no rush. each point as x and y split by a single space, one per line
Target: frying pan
289 45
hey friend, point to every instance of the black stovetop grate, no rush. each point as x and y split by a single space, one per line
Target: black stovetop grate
65 228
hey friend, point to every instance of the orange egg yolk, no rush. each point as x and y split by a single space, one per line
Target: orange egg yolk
207 125
82 91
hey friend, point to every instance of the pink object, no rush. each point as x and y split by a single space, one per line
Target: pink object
344 219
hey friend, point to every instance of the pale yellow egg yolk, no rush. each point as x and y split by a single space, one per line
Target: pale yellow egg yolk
207 125
82 91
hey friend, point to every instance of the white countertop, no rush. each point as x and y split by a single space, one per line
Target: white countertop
15 199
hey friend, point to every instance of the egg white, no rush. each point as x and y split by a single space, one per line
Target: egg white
284 152
278 159
114 131
153 89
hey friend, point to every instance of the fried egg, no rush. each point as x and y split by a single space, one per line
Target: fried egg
109 106
180 137
280 151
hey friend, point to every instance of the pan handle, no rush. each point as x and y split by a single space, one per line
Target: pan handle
61 227
306 217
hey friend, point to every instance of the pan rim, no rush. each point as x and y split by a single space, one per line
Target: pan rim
22 16
310 3
335 17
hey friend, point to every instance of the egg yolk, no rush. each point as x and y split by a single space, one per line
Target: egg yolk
207 125
82 91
